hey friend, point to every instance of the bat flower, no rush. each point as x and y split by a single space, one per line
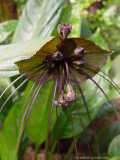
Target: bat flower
68 62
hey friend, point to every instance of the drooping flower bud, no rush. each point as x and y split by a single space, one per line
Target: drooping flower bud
64 30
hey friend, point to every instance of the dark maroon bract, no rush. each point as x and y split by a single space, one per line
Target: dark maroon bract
67 61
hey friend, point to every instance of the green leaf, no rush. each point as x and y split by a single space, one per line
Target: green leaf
37 125
39 120
99 39
71 122
114 147
38 19
85 30
65 15
10 131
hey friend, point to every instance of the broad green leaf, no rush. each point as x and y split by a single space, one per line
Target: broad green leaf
10 130
65 15
38 19
37 124
71 122
42 116
99 39
85 30
114 147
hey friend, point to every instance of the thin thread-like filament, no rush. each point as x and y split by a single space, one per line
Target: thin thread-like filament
12 83
89 77
10 96
106 77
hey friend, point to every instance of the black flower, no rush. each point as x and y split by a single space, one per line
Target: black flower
67 61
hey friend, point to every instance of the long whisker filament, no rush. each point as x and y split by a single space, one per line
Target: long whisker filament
106 77
9 97
12 83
